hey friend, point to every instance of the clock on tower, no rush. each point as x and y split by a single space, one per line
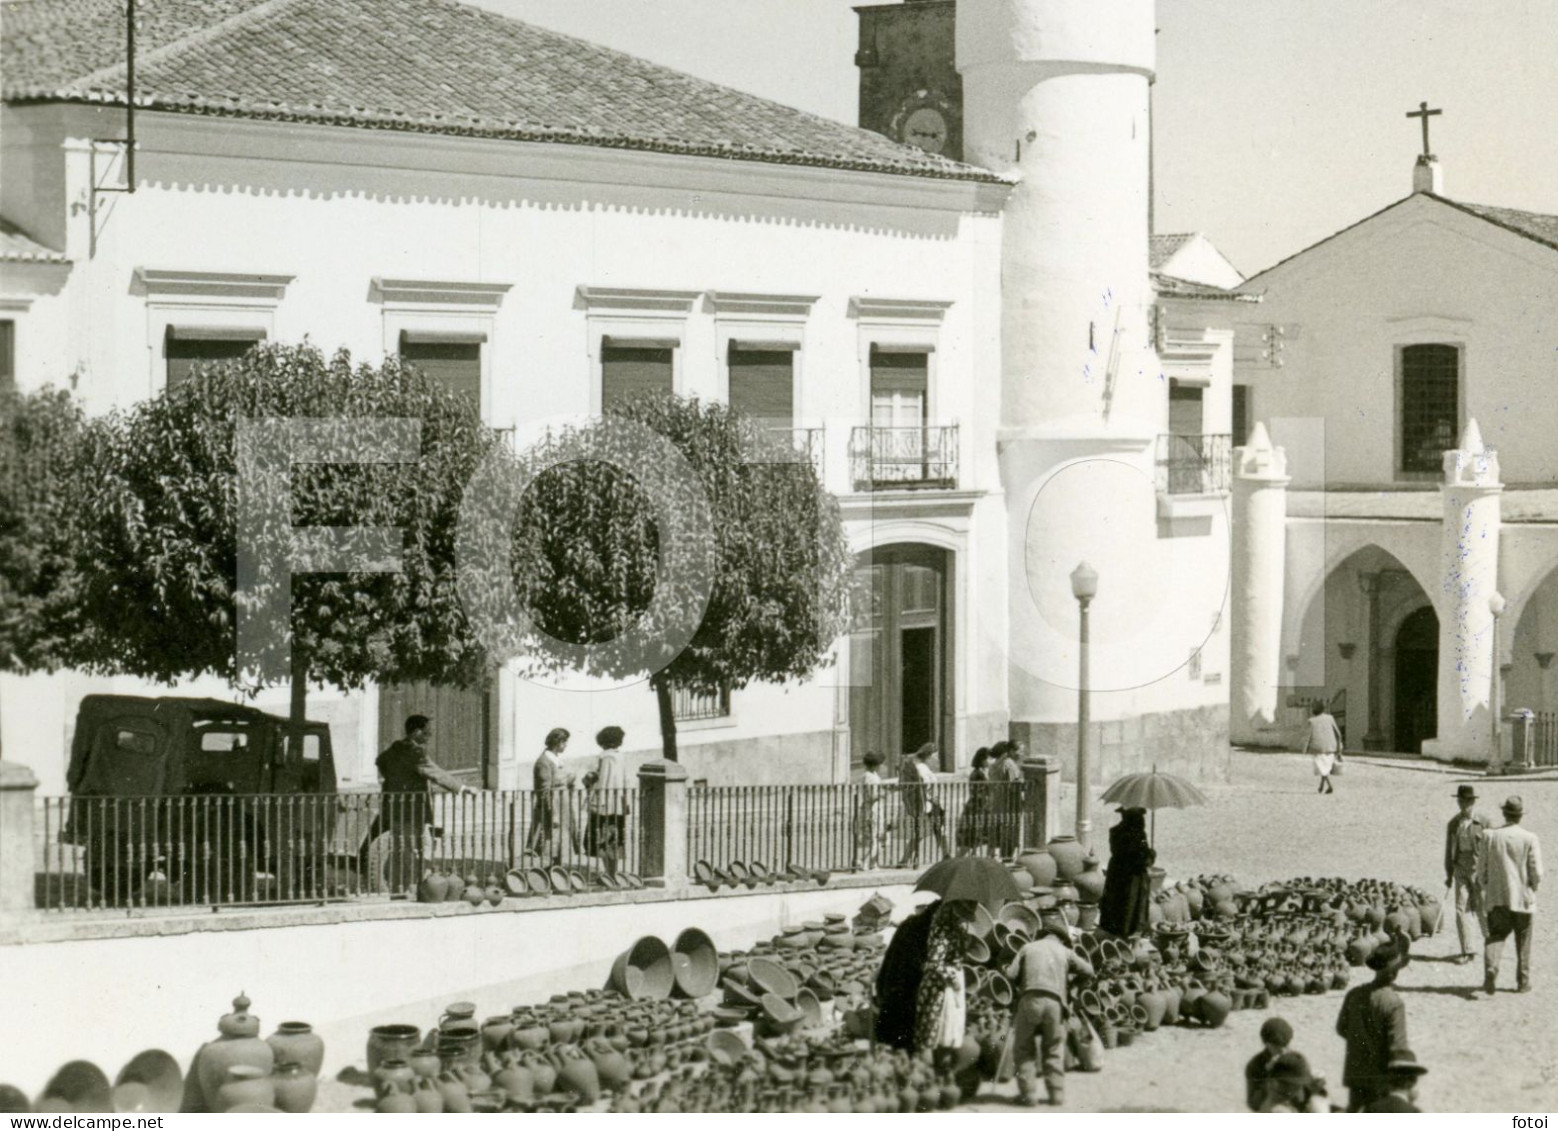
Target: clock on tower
910 89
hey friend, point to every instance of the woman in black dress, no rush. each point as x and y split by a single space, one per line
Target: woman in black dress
1127 887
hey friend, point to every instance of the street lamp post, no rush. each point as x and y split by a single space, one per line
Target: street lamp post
1496 758
1084 587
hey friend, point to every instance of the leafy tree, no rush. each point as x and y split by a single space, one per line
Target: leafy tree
42 435
590 551
161 558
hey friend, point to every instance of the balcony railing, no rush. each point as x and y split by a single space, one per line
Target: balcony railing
887 459
807 441
1195 465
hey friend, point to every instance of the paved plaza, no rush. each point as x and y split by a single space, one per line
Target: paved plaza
1386 821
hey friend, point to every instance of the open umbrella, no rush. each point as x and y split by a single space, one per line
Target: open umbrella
978 878
1153 791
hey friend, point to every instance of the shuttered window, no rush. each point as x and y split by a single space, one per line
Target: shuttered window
186 346
628 368
1241 415
1186 416
452 359
7 354
899 382
1430 402
762 382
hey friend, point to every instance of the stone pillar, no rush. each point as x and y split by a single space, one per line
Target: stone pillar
1372 584
1468 579
1259 549
1041 801
662 813
17 785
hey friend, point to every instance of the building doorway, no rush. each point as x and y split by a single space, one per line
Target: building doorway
901 654
1417 680
464 734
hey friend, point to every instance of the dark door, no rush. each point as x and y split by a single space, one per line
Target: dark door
900 655
1417 681
463 737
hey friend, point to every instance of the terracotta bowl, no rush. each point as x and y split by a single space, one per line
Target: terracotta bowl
772 978
1019 918
650 959
160 1075
725 1048
697 976
82 1085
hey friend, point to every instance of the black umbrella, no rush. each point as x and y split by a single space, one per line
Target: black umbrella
978 878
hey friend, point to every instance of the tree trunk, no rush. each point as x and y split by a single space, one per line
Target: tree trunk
662 687
297 714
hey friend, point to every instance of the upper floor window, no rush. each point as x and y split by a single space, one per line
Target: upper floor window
1241 411
762 381
899 387
7 354
452 358
630 367
1429 405
188 346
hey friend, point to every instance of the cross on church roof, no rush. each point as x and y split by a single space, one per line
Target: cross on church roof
1424 113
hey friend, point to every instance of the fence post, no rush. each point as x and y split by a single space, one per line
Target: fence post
1041 800
17 786
662 798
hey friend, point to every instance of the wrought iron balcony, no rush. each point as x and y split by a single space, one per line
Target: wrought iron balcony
808 441
1195 465
889 459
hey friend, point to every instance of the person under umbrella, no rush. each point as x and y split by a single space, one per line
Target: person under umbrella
898 979
941 1003
1127 887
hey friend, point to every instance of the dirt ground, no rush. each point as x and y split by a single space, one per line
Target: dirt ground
1386 820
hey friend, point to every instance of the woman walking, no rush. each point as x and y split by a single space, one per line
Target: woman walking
1326 739
974 823
608 802
550 782
870 821
1127 886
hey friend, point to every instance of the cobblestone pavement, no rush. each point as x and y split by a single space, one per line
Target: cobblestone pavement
1385 821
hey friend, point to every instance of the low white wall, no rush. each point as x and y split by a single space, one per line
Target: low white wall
106 999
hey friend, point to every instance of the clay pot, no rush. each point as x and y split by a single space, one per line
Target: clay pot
393 1073
245 1084
457 1100
295 1088
529 1037
644 971
495 894
495 1032
239 1044
392 1042
425 1094
396 1103
297 1043
1068 854
433 888
1171 999
1154 1004
612 1069
576 1073
1090 884
459 1047
1040 866
474 895
698 971
1213 1008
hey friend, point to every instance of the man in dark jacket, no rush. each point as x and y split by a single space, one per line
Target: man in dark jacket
1462 846
1402 1075
409 776
1373 1022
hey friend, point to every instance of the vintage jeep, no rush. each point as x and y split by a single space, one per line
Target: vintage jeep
188 800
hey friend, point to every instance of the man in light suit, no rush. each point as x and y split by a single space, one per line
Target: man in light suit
1509 874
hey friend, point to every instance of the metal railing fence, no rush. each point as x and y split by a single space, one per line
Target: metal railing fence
889 458
264 849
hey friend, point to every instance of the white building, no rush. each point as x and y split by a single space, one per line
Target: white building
1400 369
967 348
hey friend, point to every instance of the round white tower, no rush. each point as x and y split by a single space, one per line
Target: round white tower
1056 95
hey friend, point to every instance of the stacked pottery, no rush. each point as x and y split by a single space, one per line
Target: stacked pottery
1069 856
238 1046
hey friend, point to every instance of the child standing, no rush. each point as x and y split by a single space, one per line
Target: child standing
869 819
1275 1036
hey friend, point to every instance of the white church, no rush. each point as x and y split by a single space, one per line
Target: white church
998 367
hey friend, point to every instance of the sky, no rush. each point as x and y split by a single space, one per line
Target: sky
1277 122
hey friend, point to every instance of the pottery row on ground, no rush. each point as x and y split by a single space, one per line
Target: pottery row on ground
448 887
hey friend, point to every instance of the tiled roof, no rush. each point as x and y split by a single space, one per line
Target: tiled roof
1169 287
1161 248
1533 225
17 247
422 65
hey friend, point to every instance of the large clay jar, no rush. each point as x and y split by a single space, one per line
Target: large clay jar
295 1087
239 1044
543 1071
391 1042
529 1036
396 1102
425 1062
394 1074
611 1068
1069 856
1213 1008
495 1032
425 1093
1040 865
1155 1005
433 888
1171 996
1090 884
517 1082
576 1073
297 1043
245 1084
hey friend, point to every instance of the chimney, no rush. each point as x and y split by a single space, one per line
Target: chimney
1427 176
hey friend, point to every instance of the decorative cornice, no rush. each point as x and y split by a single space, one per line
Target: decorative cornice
898 309
732 302
633 300
212 284
432 292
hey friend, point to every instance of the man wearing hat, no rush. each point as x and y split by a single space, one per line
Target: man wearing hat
1039 974
1373 1022
1292 1089
1510 873
1402 1075
1462 845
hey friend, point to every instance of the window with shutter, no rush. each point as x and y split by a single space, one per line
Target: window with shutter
899 386
629 368
187 346
762 383
452 359
1241 415
1430 405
